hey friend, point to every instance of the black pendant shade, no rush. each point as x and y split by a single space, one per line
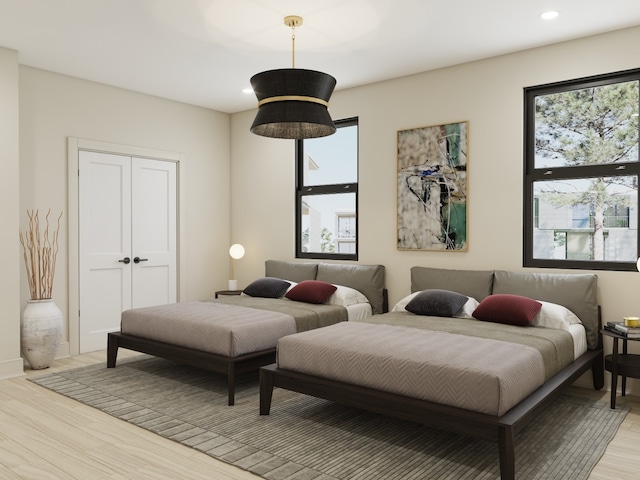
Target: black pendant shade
292 103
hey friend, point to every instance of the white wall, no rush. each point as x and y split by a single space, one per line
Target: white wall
10 361
54 107
488 94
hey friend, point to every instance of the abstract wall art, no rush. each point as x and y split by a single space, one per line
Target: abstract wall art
432 188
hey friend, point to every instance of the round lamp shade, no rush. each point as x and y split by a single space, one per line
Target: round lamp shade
236 251
293 103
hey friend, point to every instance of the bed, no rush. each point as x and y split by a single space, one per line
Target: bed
238 334
433 369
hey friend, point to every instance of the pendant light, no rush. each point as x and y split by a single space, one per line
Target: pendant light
292 103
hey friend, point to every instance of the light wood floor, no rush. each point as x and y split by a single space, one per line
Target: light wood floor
46 436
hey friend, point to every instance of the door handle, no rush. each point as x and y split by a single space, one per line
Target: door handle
138 260
125 260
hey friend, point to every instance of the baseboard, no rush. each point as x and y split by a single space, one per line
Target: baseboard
63 351
11 368
586 381
15 367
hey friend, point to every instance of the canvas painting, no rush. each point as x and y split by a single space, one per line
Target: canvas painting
432 188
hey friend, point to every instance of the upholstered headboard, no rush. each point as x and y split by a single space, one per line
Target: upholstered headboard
368 279
296 272
472 283
577 292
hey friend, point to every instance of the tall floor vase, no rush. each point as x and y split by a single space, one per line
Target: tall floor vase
40 332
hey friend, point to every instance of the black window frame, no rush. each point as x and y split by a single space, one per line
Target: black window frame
304 191
532 174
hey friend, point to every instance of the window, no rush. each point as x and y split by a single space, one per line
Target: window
581 173
327 194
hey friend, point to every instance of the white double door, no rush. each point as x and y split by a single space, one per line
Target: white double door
127 240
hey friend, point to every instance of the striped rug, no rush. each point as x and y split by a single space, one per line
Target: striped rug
306 438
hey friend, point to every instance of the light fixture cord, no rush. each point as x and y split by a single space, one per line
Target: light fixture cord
293 46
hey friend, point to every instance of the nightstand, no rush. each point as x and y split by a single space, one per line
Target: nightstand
228 292
623 364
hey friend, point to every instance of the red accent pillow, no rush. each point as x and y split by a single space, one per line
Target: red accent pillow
311 291
507 308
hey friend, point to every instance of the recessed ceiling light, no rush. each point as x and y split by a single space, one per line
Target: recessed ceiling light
247 90
549 15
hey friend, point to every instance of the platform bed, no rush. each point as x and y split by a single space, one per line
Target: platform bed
578 291
368 279
496 429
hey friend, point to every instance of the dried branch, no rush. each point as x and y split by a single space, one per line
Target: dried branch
39 254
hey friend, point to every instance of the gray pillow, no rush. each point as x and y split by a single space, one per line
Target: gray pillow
437 303
267 287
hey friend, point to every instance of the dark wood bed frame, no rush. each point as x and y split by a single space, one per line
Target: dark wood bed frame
497 429
231 366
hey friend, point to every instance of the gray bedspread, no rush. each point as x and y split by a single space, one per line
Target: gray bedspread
210 327
307 315
229 326
555 346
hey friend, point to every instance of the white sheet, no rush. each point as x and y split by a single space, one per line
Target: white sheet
579 335
359 311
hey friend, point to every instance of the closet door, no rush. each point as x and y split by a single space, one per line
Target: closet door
127 240
153 212
105 244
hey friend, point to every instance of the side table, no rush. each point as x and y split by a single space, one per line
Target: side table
228 292
624 364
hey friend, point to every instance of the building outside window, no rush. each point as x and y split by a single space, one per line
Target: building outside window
581 173
327 194
346 228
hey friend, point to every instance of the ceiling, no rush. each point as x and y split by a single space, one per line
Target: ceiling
203 52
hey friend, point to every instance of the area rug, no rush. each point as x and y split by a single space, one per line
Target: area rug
306 438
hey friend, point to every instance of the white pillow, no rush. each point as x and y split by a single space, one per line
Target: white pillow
552 315
345 296
399 307
468 308
465 312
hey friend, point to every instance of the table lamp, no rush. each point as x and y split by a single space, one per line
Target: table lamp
236 251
